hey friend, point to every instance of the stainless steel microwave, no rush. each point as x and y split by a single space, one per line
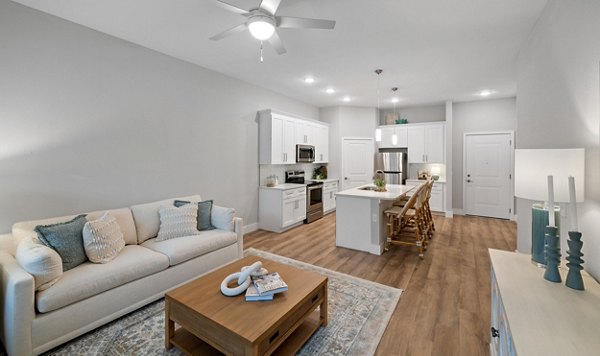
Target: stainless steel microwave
305 153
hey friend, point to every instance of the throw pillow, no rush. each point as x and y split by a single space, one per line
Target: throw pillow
65 238
42 262
177 221
102 239
204 213
222 218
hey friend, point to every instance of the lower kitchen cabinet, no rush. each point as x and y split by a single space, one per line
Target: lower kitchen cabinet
532 316
436 202
281 208
329 191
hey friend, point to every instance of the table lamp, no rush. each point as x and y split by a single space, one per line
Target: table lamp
532 168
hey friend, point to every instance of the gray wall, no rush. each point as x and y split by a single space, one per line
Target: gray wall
90 122
346 121
476 116
416 114
558 107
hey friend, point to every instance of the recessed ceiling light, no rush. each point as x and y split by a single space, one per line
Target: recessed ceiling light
330 90
395 100
309 80
486 92
346 99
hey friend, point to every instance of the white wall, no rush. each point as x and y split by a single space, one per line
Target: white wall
416 114
346 121
558 107
477 116
89 122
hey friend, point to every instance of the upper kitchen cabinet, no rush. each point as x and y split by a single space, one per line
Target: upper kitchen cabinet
426 143
321 134
277 143
279 134
387 136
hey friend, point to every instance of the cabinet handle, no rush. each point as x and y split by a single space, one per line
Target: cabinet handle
495 332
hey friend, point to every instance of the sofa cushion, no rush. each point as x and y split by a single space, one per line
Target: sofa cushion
222 218
65 238
89 279
147 220
124 217
185 248
102 239
177 221
204 213
39 260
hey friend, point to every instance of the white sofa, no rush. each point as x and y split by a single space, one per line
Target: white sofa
91 295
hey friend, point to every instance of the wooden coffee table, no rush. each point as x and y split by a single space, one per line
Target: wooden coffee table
211 323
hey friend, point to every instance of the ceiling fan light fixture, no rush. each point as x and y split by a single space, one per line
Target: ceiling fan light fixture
261 27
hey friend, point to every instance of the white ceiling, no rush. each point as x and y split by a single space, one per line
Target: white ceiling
432 50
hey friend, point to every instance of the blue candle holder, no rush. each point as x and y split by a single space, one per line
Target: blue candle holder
574 279
552 255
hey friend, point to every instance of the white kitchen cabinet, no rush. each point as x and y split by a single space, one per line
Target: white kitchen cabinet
426 143
277 141
532 316
436 202
321 134
387 134
280 133
329 191
281 207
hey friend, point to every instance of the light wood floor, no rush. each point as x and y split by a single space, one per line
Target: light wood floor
445 306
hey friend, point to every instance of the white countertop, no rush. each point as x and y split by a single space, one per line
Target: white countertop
284 186
443 181
394 191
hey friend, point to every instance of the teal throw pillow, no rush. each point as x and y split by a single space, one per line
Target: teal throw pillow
66 239
204 213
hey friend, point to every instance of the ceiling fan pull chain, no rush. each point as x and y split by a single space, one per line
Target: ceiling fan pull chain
261 52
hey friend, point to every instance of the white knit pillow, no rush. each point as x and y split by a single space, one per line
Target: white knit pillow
177 221
42 262
102 239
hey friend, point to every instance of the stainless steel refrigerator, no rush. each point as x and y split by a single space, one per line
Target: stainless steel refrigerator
394 164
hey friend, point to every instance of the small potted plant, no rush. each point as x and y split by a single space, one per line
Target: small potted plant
379 181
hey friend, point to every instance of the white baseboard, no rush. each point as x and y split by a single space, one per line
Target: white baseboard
250 228
513 217
449 213
459 212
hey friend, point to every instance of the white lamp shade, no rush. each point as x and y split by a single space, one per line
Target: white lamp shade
261 28
533 166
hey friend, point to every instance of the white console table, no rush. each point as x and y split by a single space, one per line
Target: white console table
532 316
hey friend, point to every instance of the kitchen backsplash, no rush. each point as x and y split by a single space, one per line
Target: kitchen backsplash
265 170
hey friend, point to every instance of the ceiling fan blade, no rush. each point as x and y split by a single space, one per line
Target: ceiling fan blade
231 31
231 8
299 22
270 6
275 41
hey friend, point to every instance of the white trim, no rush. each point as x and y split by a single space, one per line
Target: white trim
250 228
450 214
458 212
512 166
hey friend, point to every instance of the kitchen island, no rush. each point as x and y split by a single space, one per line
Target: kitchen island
360 222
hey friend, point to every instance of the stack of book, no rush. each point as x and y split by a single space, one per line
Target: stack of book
265 287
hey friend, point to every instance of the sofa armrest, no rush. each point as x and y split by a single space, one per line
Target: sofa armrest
238 227
17 308
7 243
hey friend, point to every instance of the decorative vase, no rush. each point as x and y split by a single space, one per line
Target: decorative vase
552 255
574 279
539 221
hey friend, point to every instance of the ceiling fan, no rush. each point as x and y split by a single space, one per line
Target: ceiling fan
262 23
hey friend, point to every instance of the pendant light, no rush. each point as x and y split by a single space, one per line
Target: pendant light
394 136
378 130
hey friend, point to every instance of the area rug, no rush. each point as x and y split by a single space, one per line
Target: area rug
359 311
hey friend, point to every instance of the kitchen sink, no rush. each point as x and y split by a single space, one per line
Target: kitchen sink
368 188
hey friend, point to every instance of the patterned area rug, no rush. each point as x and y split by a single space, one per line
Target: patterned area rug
359 312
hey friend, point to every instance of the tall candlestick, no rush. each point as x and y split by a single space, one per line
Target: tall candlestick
550 201
572 205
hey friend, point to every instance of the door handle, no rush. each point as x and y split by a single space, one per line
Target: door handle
495 332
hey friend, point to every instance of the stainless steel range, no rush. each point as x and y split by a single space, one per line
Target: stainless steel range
314 195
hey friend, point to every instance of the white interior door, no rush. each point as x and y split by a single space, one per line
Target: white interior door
357 161
488 174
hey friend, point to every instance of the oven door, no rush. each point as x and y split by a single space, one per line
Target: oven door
305 153
314 203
